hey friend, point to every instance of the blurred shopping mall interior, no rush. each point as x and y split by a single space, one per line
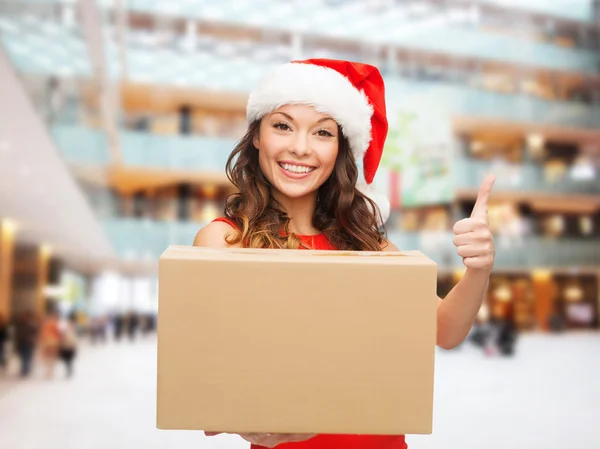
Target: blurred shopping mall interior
117 117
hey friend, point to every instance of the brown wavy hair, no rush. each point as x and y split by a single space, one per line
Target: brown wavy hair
343 214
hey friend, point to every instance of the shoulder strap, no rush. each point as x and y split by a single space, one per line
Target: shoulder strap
226 220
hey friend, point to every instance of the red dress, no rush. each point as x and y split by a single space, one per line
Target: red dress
319 241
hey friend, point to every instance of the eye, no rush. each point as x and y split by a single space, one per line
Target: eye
324 133
282 126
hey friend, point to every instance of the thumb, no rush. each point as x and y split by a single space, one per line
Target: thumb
480 208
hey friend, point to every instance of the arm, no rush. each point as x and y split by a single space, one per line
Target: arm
456 313
213 235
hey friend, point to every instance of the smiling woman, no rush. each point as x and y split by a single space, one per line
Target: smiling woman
298 185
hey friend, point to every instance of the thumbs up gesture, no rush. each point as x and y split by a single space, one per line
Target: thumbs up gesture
472 236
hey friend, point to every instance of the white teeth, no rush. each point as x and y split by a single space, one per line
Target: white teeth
296 168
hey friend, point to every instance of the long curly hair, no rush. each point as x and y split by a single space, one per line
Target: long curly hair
347 218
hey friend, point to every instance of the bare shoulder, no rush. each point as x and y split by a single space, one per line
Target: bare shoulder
213 235
388 246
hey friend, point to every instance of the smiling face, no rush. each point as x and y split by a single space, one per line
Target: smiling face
297 149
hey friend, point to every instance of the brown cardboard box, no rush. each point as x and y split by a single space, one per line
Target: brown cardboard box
296 341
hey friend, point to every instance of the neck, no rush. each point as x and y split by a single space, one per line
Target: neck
300 211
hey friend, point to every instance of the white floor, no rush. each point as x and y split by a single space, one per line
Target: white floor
547 397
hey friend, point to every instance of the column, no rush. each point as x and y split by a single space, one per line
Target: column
297 46
43 263
598 297
7 241
544 291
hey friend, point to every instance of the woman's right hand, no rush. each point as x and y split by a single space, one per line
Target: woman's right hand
269 439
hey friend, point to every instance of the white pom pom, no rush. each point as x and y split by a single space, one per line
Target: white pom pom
378 198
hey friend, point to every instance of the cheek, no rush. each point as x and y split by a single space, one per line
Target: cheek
267 152
264 163
270 145
327 159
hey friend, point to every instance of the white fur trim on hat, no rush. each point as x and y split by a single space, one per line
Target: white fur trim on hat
381 200
327 90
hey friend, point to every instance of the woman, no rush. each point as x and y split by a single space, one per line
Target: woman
50 342
27 331
68 342
296 170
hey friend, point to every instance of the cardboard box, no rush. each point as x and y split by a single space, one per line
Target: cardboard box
326 342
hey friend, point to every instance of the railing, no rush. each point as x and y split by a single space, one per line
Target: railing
85 146
459 100
82 145
569 9
175 152
432 31
525 177
138 239
46 47
527 252
574 10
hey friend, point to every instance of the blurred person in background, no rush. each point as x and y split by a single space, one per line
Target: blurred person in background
27 330
300 187
54 99
133 322
98 329
3 340
68 342
482 332
506 332
556 323
50 341
144 324
150 324
119 326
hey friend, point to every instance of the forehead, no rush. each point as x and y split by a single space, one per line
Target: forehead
302 112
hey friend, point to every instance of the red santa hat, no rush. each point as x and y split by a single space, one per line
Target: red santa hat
351 93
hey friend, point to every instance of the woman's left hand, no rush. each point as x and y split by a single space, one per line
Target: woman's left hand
472 235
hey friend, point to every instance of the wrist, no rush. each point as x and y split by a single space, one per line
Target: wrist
478 273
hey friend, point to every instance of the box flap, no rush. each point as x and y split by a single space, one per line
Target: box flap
180 252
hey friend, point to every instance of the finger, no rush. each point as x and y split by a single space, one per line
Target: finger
261 439
465 225
470 251
464 239
272 440
276 439
212 434
480 208
481 234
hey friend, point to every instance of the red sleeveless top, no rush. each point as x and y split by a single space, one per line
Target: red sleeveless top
320 242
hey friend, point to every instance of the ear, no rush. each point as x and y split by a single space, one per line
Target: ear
256 139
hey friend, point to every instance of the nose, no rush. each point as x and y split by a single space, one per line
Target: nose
301 145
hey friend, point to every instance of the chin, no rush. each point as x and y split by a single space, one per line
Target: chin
295 192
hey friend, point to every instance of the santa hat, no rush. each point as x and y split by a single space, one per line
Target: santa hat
351 92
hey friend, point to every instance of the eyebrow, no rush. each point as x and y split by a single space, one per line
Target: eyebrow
289 117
